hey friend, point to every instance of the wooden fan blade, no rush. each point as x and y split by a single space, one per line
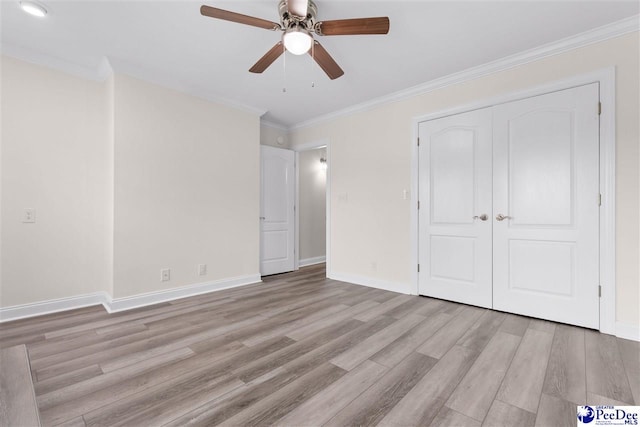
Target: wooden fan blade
268 58
214 12
298 8
325 61
349 27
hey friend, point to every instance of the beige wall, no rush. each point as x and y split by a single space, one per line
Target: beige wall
126 178
371 166
186 189
57 160
311 203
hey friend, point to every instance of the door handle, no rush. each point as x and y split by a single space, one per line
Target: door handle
262 217
482 217
501 217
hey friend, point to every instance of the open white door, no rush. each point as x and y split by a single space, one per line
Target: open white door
546 209
454 219
277 210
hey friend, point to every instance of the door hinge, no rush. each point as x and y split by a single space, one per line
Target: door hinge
600 199
599 108
418 268
418 204
599 291
418 142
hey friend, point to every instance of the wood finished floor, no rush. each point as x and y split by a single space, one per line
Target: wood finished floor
302 350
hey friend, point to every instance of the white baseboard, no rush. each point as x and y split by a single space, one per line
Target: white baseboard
135 301
52 306
312 261
113 305
627 331
403 288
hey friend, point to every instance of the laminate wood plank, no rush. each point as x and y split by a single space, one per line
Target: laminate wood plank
111 320
292 326
449 418
504 415
374 404
630 353
359 353
236 401
76 422
261 365
163 402
606 375
554 411
514 324
307 330
446 337
422 403
273 407
542 325
42 324
205 414
595 400
383 308
407 343
340 345
74 391
566 371
523 382
172 373
430 307
479 334
61 381
18 405
137 350
328 402
474 395
406 308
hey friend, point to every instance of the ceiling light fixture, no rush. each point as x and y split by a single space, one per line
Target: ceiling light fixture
33 8
297 40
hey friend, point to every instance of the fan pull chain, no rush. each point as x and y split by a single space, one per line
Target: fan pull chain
313 58
284 69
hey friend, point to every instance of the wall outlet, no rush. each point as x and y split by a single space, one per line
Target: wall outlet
29 215
165 275
202 269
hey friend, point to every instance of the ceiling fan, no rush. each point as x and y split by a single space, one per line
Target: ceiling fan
298 24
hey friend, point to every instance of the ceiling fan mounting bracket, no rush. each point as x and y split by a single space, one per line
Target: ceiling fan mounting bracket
288 20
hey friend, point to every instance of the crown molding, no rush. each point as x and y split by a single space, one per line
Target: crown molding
596 35
38 58
123 67
106 68
274 125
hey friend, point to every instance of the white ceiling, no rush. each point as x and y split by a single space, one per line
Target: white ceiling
170 42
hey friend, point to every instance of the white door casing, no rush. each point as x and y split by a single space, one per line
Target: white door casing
455 186
546 179
277 210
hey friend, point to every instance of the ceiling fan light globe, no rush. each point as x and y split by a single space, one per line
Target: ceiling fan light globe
297 42
33 8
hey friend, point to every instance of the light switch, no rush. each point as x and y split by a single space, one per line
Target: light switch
406 194
29 215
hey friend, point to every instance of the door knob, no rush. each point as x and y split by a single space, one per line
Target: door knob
482 217
501 217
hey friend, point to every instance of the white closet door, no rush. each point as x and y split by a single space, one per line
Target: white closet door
455 187
277 210
546 184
